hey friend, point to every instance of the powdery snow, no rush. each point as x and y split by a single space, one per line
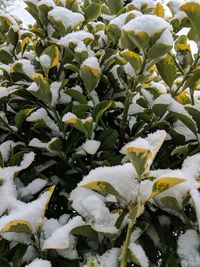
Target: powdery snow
39 263
140 3
91 62
45 61
32 188
196 200
155 24
27 66
121 177
69 116
66 16
139 252
91 146
41 114
188 249
61 237
75 37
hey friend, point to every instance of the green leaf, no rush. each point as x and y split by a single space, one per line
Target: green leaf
133 58
108 138
76 95
92 12
52 55
135 211
44 92
115 6
192 9
101 186
21 116
5 57
101 108
55 144
158 50
170 203
85 231
16 159
91 76
180 150
187 121
17 258
167 69
4 262
195 113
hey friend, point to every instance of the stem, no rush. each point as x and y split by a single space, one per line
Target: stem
59 121
177 65
187 74
128 102
123 262
124 117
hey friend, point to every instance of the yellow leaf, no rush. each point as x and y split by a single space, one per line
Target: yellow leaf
159 10
162 184
101 186
18 226
24 44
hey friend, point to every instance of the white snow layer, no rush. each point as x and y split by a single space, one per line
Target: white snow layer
188 249
68 18
39 263
91 146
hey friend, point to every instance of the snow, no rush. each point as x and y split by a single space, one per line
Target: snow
121 177
91 146
75 37
32 188
33 87
48 3
139 3
196 200
61 237
55 88
91 206
31 212
45 61
69 117
39 263
108 259
139 252
68 18
91 62
152 143
49 226
41 114
27 66
188 249
35 142
6 148
155 25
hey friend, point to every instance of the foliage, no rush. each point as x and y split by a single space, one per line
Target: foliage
100 126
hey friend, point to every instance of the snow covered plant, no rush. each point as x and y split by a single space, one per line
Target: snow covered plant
100 134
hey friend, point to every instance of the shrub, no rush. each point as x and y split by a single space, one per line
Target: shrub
100 122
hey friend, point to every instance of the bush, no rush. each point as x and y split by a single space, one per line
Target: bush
100 123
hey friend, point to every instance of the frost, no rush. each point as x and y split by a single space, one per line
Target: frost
39 263
91 146
68 18
188 249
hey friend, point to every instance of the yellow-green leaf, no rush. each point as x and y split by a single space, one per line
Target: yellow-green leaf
102 186
162 184
17 226
139 157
